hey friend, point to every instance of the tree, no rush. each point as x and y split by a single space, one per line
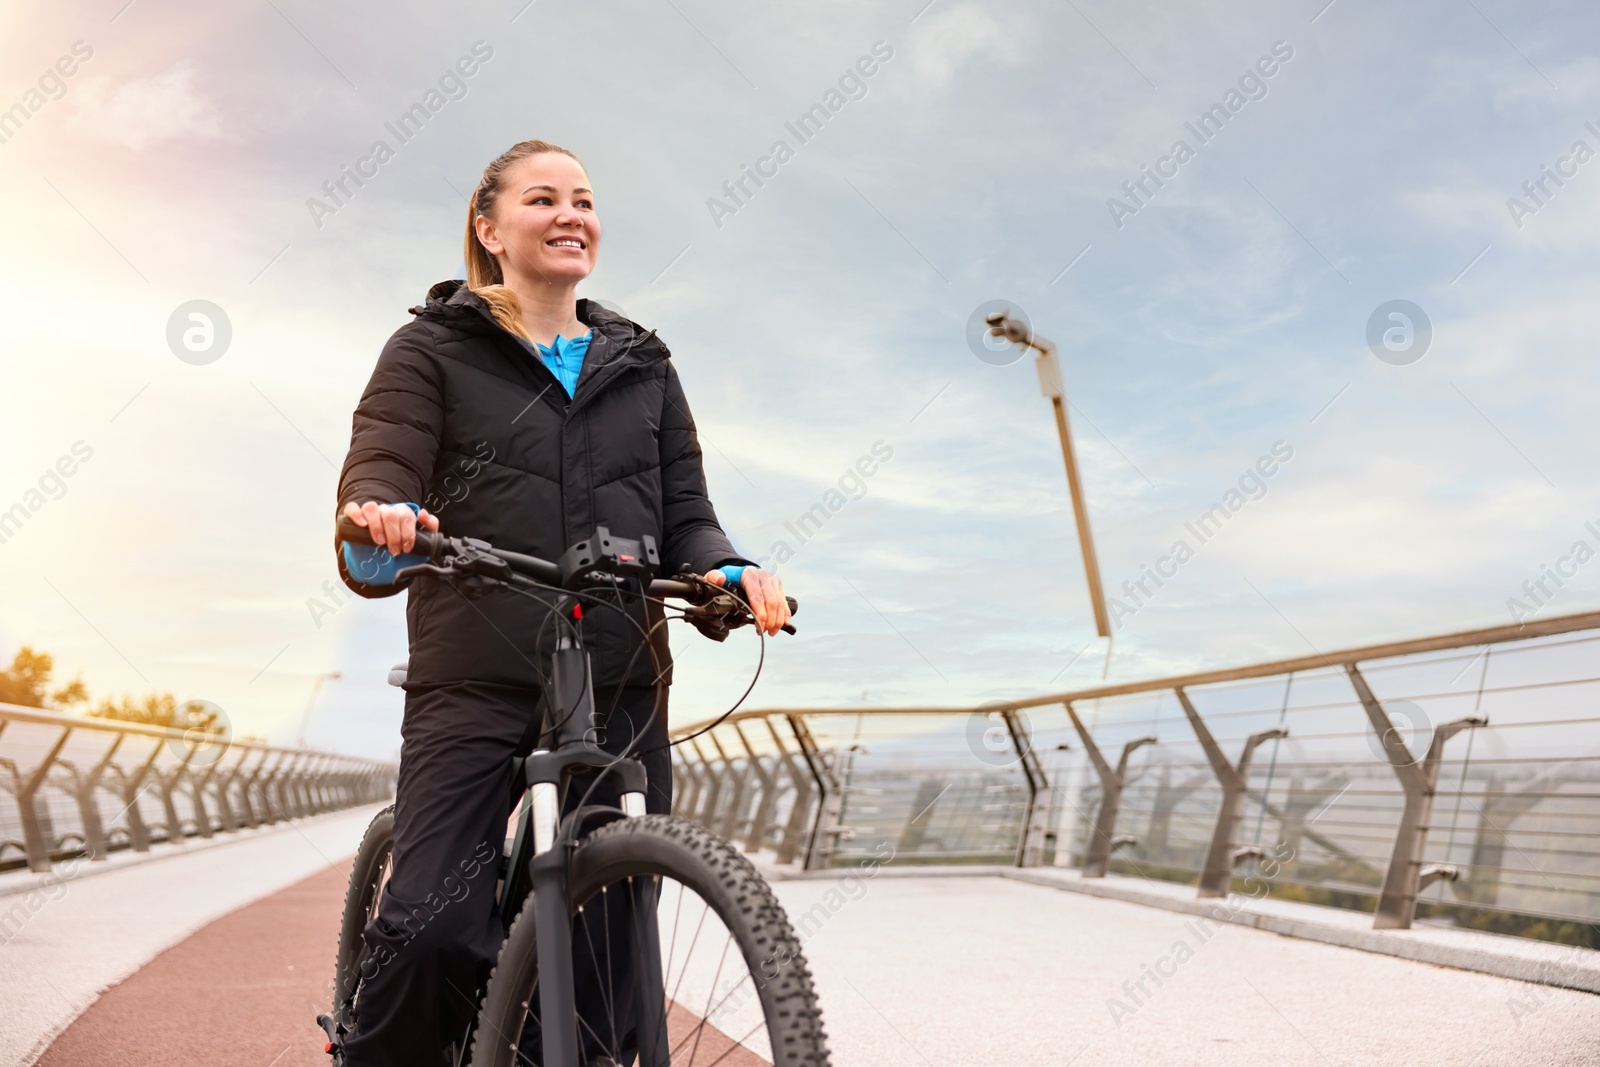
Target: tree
27 682
154 709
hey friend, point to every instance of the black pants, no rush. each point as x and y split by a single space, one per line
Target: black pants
436 934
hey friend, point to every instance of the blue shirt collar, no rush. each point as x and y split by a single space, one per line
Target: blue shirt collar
562 347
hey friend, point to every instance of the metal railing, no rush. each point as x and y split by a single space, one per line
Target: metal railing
76 786
1455 775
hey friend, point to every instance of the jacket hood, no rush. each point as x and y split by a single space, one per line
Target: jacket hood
452 303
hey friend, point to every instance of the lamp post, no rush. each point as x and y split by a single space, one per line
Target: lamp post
305 720
1003 325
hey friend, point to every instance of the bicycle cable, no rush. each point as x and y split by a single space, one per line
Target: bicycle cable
523 585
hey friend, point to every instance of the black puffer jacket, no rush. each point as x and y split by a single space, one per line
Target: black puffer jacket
461 417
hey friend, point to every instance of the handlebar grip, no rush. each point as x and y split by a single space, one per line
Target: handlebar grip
794 605
669 587
427 542
356 535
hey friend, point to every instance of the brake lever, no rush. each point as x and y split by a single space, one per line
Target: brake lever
727 607
424 568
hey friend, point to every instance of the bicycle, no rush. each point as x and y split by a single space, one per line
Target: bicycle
644 868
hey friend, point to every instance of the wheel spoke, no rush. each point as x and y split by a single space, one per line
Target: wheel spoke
737 1046
605 895
705 910
585 1026
713 1009
700 1027
605 992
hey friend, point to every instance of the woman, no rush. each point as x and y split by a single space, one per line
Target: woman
513 411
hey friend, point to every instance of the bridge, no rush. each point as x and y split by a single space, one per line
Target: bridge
1375 855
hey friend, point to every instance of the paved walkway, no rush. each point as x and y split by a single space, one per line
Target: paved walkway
969 971
70 937
922 972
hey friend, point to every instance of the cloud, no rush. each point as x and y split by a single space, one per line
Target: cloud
146 111
949 39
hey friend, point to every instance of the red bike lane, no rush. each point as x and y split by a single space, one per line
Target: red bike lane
243 991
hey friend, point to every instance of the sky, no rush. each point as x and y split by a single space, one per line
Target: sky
1210 327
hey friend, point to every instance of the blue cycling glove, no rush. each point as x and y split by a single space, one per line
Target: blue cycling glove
373 565
733 574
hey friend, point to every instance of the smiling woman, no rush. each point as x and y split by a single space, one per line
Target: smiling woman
572 418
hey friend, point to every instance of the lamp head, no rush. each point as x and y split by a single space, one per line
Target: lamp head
1003 325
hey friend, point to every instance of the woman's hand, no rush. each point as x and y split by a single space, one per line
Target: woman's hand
394 525
764 591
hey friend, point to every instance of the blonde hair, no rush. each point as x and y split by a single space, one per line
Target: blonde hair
484 276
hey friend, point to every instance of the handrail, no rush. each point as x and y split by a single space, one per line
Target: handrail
186 798
1490 635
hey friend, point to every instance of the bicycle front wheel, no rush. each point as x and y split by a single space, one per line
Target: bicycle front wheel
370 872
732 987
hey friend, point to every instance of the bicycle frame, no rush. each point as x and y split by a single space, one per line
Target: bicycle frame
546 773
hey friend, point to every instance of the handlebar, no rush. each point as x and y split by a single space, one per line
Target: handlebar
599 555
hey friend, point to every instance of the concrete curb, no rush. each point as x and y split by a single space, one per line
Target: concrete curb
25 881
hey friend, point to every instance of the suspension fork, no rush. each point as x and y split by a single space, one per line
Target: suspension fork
550 869
649 987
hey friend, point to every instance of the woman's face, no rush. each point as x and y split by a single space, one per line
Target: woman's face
543 226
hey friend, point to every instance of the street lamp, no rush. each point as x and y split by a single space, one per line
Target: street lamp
305 720
1003 325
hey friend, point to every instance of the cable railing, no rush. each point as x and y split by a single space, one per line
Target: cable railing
73 786
1452 778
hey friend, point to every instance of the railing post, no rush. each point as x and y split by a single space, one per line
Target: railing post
269 791
1302 801
316 785
332 784
698 771
305 785
132 790
169 782
766 799
794 829
1224 853
712 794
1167 798
94 827
230 821
27 798
915 833
247 805
689 764
740 776
1500 809
1406 877
1103 839
680 779
289 787
823 839
1036 819
197 790
289 795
